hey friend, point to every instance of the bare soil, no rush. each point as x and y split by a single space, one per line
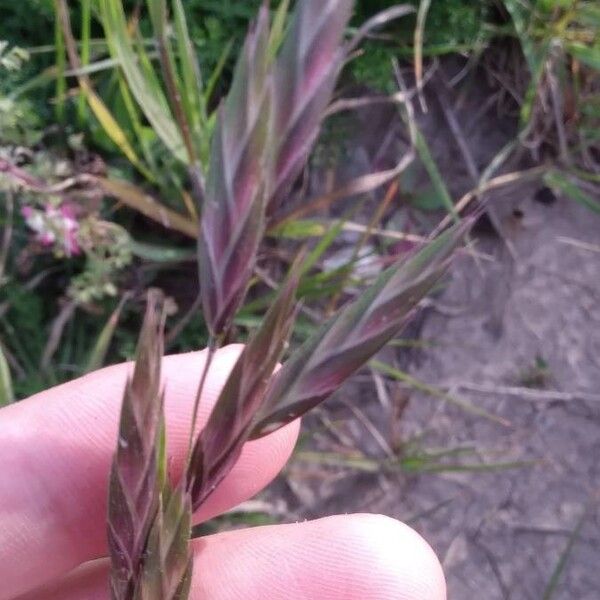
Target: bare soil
515 331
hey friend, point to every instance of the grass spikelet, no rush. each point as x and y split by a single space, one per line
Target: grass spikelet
351 338
168 565
219 444
305 74
234 206
135 478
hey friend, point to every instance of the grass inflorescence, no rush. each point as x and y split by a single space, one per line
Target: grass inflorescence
264 132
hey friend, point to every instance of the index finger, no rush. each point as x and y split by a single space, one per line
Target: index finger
56 450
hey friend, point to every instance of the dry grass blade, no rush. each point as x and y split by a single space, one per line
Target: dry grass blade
379 20
138 199
220 442
304 79
348 340
135 478
233 211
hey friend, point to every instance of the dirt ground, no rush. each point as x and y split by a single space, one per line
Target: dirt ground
516 331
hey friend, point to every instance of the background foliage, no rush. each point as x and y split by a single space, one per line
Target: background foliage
50 129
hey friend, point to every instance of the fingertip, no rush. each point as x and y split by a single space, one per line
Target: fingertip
58 447
399 560
351 557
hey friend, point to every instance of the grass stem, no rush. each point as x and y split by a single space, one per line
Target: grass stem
212 347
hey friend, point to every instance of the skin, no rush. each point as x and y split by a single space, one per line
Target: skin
56 449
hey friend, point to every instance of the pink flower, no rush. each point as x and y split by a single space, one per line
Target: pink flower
54 226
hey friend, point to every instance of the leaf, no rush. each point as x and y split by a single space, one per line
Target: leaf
219 444
138 199
86 22
104 116
298 229
563 560
323 244
160 253
434 174
136 474
98 353
436 392
278 28
560 182
146 91
589 55
192 90
428 199
217 72
6 389
348 340
535 53
113 129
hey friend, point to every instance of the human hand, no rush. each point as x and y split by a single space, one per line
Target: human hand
56 449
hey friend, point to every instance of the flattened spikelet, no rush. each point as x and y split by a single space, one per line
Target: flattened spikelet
234 206
134 487
305 74
350 339
220 442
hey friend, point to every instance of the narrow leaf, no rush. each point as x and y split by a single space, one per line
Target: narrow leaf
98 353
147 93
138 199
6 389
562 183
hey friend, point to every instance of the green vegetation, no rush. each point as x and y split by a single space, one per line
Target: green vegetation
139 136
110 113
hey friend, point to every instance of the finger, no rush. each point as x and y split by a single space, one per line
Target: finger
338 558
56 450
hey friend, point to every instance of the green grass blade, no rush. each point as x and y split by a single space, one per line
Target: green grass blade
190 70
535 54
589 55
145 89
61 65
324 243
100 349
560 182
86 23
550 590
6 389
278 28
435 392
138 128
434 174
217 72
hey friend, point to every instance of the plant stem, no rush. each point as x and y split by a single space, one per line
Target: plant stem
213 344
